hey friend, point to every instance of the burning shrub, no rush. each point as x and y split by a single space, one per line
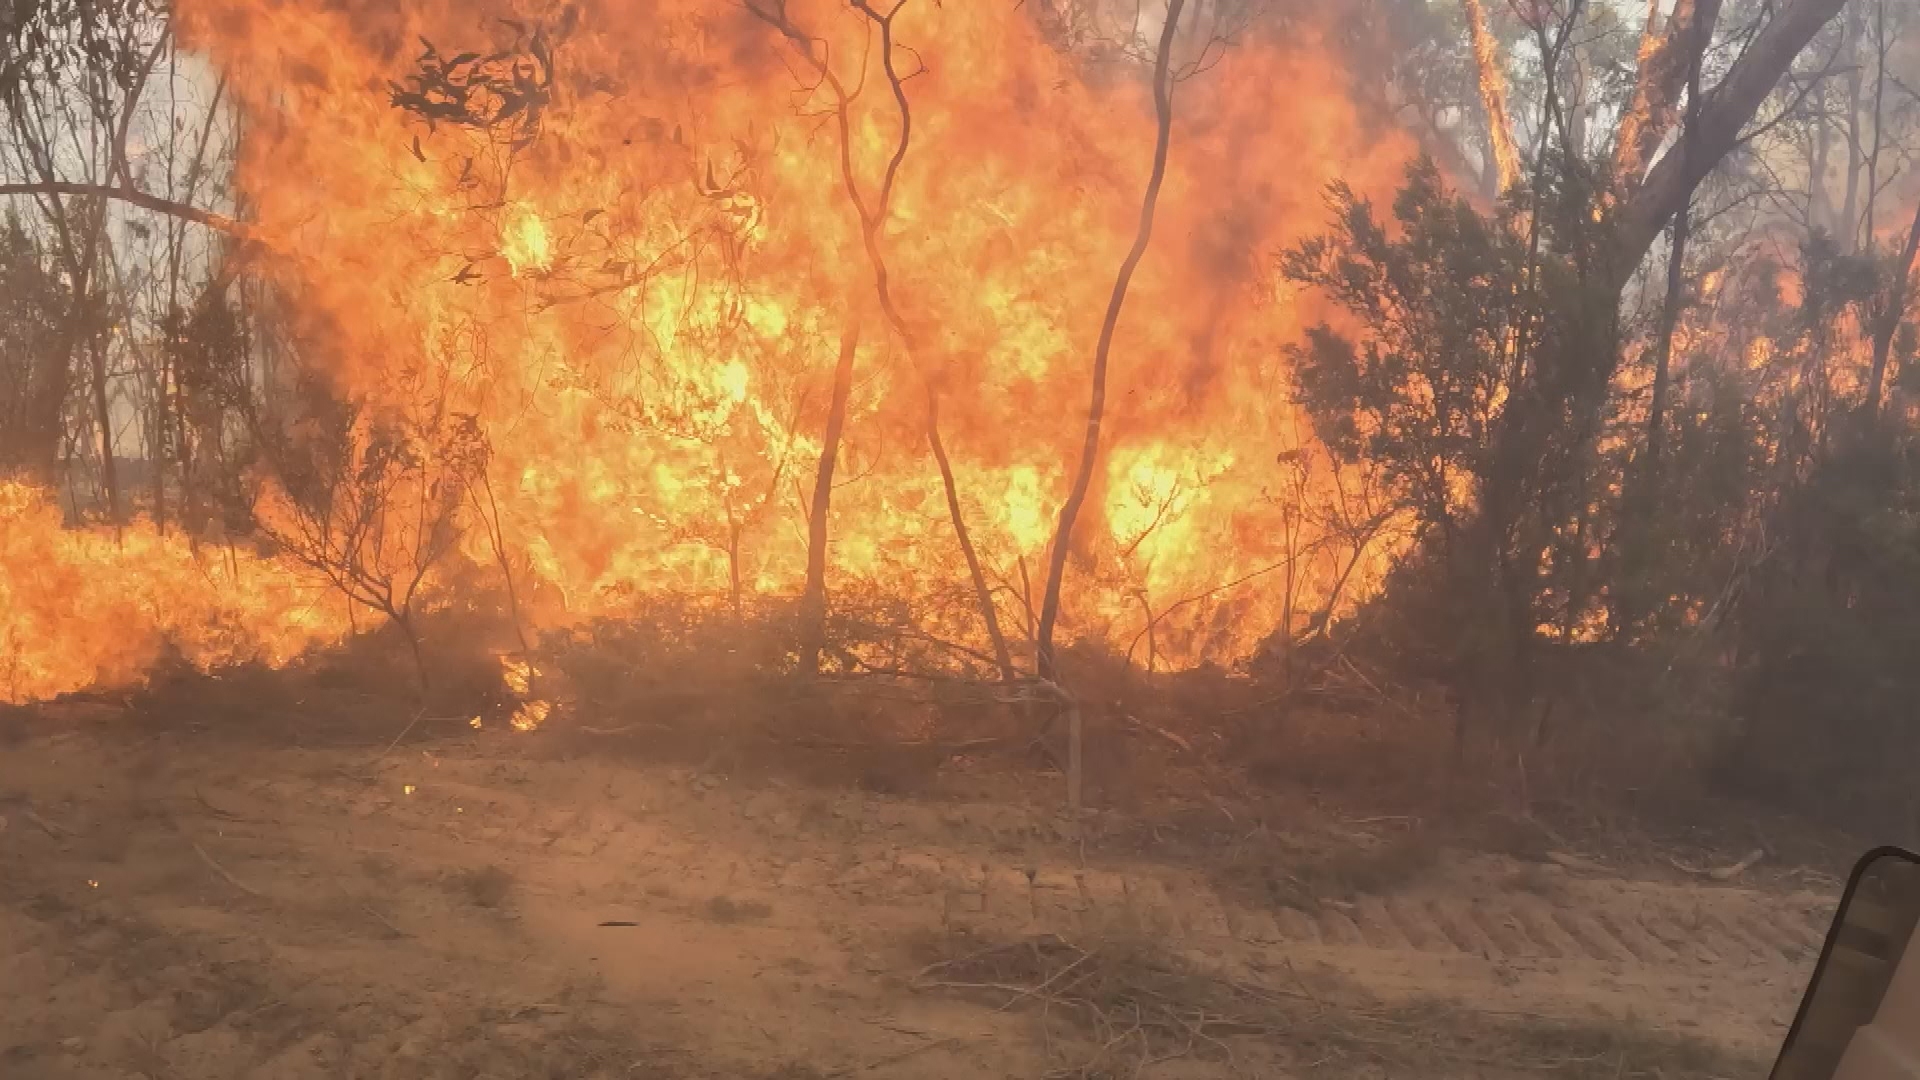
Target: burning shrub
373 505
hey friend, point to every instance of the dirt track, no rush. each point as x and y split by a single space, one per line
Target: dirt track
183 904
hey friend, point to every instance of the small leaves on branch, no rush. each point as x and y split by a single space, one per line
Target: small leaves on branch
504 93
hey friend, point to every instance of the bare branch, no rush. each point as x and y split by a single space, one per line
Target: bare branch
135 197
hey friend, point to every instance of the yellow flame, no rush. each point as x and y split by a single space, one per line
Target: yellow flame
530 715
524 242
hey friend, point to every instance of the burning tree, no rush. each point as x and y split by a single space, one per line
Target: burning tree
872 210
698 305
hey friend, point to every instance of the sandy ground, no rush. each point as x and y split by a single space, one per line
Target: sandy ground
178 901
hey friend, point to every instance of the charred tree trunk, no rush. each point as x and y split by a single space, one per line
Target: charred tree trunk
103 418
813 599
1897 291
1096 407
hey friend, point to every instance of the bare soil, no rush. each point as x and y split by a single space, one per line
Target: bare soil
218 896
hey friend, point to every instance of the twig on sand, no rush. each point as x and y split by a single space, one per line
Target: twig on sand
621 730
1720 873
1574 862
58 832
417 714
222 871
1156 729
229 815
382 920
891 1059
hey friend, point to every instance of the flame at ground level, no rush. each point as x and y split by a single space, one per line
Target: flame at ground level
79 607
634 263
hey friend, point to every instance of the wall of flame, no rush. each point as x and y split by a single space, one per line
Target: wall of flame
643 303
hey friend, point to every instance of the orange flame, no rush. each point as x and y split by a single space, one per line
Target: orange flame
641 298
83 607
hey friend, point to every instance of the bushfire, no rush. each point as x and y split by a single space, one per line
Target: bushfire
622 243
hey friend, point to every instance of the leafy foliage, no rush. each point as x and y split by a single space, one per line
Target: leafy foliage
503 92
1827 635
1476 379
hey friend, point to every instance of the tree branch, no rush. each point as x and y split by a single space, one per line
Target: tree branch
1724 112
136 197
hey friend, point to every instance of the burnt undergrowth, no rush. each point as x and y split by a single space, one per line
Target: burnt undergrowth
1218 762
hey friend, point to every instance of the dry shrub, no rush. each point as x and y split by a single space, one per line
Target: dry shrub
1113 1008
1131 1001
1388 866
1306 882
1387 759
719 688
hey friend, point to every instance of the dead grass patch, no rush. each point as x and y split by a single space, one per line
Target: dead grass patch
485 886
1124 1004
726 910
1307 882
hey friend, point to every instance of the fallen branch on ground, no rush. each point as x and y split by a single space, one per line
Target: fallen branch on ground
224 875
1574 862
58 832
1155 729
1721 873
892 1059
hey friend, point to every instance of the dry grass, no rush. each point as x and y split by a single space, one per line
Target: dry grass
1117 1007
1270 875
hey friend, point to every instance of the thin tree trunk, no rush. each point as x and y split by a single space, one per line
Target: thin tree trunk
404 620
1820 156
1849 232
871 219
733 562
1879 120
1663 353
1896 301
1090 451
813 599
983 595
1579 103
103 417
